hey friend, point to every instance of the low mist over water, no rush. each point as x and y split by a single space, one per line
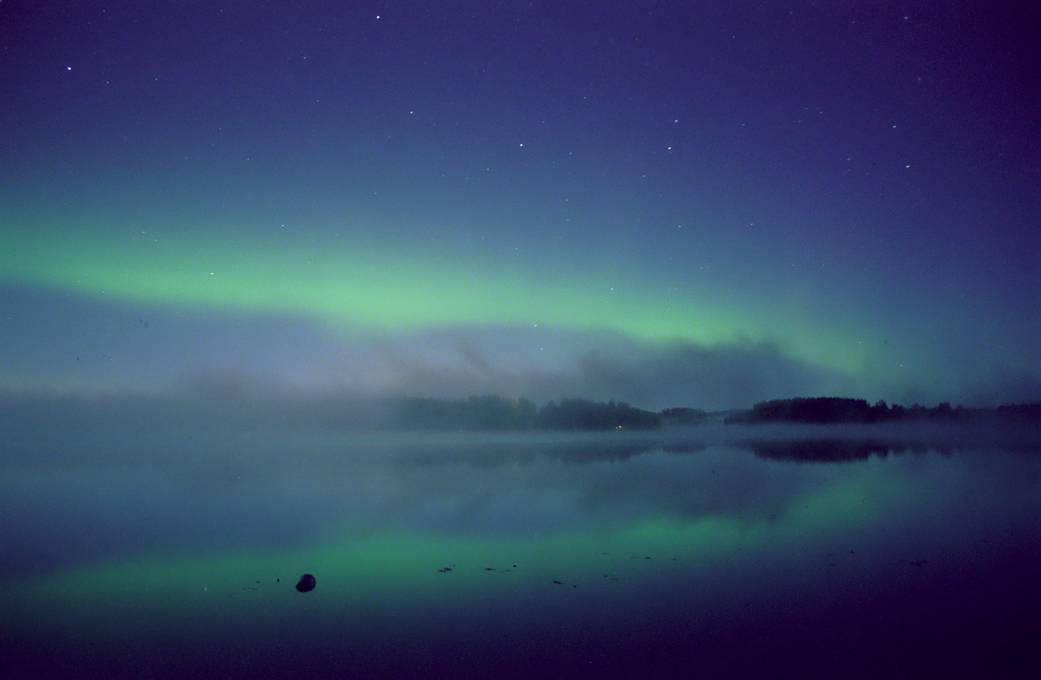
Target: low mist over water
855 551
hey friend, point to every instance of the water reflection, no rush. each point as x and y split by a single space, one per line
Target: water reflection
656 541
838 451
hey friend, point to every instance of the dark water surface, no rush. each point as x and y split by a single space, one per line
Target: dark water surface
705 552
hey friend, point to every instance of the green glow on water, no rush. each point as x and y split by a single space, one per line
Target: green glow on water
378 577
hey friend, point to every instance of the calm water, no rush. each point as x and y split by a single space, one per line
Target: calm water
140 554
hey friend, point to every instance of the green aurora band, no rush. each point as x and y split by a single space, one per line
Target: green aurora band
369 286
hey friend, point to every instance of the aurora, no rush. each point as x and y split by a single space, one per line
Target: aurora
519 339
864 234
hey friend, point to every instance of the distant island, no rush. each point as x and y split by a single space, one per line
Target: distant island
492 412
844 410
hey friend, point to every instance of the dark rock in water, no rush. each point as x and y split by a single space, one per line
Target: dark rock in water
306 583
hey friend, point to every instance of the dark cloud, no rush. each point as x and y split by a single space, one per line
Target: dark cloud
655 376
85 345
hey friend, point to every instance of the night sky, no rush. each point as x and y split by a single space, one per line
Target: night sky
669 203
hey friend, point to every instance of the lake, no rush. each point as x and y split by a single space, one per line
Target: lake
721 551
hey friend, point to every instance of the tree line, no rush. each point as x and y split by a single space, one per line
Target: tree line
491 412
844 410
